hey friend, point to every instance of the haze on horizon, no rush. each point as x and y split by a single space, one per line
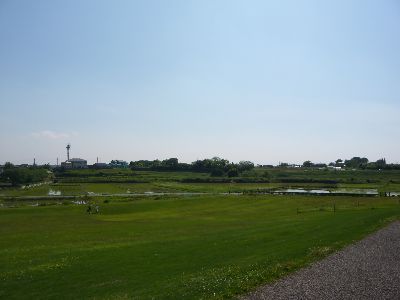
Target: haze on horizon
265 81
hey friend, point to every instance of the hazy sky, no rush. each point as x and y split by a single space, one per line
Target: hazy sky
265 81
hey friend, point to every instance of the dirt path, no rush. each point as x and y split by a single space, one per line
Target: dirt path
369 269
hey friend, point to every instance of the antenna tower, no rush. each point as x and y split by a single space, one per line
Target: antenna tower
68 147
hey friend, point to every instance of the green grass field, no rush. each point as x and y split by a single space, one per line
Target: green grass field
121 181
198 247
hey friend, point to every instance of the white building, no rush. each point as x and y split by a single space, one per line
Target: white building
74 163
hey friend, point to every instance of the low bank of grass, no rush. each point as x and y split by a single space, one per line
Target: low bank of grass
200 247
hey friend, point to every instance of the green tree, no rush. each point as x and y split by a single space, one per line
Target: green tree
245 166
357 163
233 171
307 164
380 163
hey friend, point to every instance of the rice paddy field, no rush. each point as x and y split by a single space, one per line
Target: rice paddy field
190 246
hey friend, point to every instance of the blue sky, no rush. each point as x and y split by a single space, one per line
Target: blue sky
265 81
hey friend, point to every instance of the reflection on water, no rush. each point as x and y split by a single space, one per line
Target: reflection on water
357 191
325 191
54 193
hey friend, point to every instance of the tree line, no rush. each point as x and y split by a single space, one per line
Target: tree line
23 175
215 166
355 163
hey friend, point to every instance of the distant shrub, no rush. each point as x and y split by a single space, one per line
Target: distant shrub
307 180
266 174
205 180
233 172
217 173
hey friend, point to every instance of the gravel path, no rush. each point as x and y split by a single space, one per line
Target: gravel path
369 269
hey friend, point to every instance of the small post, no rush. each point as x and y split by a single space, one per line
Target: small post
334 207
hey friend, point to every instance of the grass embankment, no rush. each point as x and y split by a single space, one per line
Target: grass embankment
187 247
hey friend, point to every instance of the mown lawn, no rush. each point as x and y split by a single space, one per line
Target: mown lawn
175 248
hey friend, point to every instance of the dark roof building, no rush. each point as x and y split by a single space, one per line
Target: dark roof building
100 165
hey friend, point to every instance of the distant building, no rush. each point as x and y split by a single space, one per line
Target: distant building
293 166
74 163
119 164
